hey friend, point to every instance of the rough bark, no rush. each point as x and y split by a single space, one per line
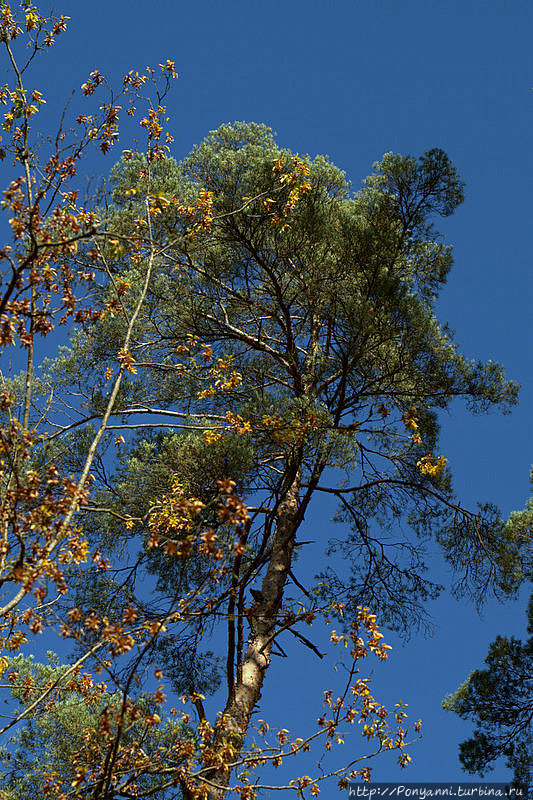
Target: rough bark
247 691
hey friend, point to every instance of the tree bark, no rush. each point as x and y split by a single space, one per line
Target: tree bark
233 725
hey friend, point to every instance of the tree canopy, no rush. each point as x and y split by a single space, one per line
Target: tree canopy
498 699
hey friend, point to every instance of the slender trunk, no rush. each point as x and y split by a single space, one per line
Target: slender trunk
233 726
263 622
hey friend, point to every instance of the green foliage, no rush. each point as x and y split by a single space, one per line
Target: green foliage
325 312
498 699
46 750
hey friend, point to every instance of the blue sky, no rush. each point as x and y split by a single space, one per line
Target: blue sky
355 79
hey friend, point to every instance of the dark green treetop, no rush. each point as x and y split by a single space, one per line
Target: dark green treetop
499 700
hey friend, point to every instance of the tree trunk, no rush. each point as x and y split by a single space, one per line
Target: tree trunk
233 726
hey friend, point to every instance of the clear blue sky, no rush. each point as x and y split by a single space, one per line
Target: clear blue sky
355 79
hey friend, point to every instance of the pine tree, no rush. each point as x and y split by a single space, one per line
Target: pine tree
288 336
